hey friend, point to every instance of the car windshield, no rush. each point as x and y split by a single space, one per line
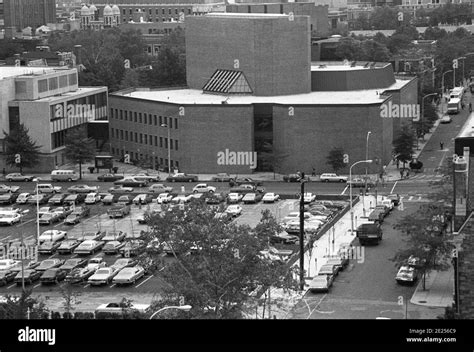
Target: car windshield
102 271
71 262
95 261
48 262
121 262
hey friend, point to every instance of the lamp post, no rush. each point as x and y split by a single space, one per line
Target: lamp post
350 191
169 148
302 282
366 170
442 82
185 308
422 111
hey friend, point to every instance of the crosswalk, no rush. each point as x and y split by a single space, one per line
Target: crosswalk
426 177
419 197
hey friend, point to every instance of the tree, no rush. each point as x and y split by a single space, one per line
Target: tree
348 48
131 79
21 151
79 148
217 264
384 17
404 144
374 51
434 33
70 297
336 159
23 307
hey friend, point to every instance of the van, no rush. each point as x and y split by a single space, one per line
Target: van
454 106
456 93
64 175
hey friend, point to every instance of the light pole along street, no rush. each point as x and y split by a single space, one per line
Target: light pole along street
302 281
169 148
442 84
366 170
350 191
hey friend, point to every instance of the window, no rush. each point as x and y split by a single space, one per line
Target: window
161 161
111 113
176 144
149 12
161 120
126 136
135 117
171 143
176 164
146 139
154 119
121 135
162 11
156 141
169 11
130 11
166 120
42 85
176 11
176 123
141 138
145 118
161 142
62 81
124 12
189 11
139 117
113 150
156 12
20 87
171 123
136 137
112 132
166 142
121 115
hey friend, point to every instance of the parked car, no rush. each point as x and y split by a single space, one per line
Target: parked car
383 209
38 198
215 198
244 180
120 189
226 217
234 210
93 235
329 269
47 188
118 211
284 238
293 226
222 177
27 276
124 200
88 247
53 276
52 236
147 177
340 262
164 198
49 218
10 218
309 197
360 182
234 198
72 264
49 264
321 283
445 119
294 178
102 276
9 189
407 275
114 236
23 198
182 177
82 189
79 275
31 264
331 177
252 198
92 198
8 198
68 246
295 215
112 247
270 197
129 275
17 177
144 198
77 214
132 248
7 276
131 182
48 247
75 198
57 199
96 263
8 264
62 212
203 188
108 199
160 188
109 177
123 263
395 198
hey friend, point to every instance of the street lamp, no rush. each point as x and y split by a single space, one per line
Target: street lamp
350 190
442 82
366 169
169 147
185 308
422 111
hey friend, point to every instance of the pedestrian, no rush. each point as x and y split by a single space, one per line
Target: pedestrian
470 107
352 251
441 145
314 172
139 203
401 173
408 173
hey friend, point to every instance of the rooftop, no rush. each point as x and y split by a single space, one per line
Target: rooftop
79 91
348 66
468 129
194 96
12 71
244 15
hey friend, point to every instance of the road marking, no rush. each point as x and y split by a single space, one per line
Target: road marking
27 238
113 285
36 286
345 189
86 286
394 185
4 238
11 286
141 283
317 305
53 255
26 222
410 198
59 223
73 256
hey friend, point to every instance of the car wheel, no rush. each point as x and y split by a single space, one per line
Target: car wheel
326 180
190 180
10 180
69 180
173 180
341 180
195 191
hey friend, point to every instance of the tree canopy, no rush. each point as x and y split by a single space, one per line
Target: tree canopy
19 143
335 159
404 143
79 148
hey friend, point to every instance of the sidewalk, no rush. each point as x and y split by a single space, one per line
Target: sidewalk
439 290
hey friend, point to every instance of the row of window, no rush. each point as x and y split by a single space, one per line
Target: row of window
157 11
139 156
147 119
143 138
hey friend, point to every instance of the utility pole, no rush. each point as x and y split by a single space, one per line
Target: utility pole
302 282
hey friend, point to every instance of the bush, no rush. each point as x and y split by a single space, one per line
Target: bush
79 315
55 315
67 315
89 315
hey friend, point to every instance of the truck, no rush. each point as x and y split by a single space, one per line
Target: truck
118 211
369 233
377 215
454 106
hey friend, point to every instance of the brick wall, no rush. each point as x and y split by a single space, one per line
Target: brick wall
466 270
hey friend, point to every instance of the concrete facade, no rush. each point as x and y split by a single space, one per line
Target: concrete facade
275 61
19 14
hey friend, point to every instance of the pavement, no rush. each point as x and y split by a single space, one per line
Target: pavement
439 289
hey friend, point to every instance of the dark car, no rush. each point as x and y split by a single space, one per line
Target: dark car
49 264
75 198
57 198
125 200
181 177
41 198
244 180
77 214
112 247
133 248
79 275
215 198
28 276
252 198
131 182
109 177
8 198
17 177
68 246
48 247
26 265
7 276
53 276
72 264
284 238
294 178
395 198
360 182
222 178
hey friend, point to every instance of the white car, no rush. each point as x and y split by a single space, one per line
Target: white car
44 210
293 226
10 218
92 198
102 276
96 263
295 215
8 189
406 275
53 236
446 119
203 188
181 199
160 188
164 198
234 197
309 197
234 210
321 283
270 197
23 198
7 264
129 275
328 177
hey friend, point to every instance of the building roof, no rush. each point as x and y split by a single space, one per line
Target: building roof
108 11
348 66
66 96
194 96
467 130
244 15
12 71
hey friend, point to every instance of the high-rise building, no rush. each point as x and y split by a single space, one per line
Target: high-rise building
19 14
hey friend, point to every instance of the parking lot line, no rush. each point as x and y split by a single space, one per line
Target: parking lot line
27 238
113 285
11 286
148 278
53 256
345 189
24 223
59 223
394 185
73 256
86 286
36 286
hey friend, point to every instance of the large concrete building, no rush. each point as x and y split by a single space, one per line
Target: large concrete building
18 14
49 102
251 87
